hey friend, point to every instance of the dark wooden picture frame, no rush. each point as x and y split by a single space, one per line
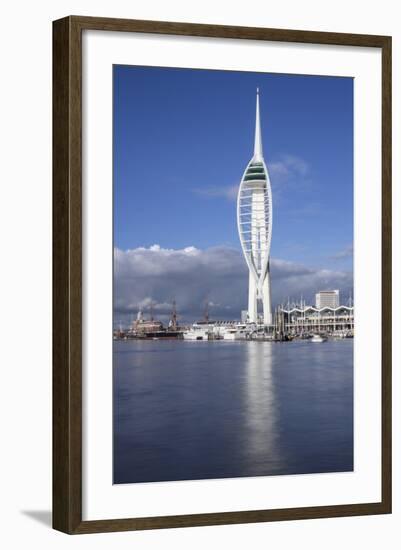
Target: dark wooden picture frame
67 274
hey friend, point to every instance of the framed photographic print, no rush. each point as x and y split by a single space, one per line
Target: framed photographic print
222 275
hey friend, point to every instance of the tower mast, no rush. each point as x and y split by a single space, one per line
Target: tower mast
174 317
258 147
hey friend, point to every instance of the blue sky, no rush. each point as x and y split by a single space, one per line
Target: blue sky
183 137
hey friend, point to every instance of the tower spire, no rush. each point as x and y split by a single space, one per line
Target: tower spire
258 149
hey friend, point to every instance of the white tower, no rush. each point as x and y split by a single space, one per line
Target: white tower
255 218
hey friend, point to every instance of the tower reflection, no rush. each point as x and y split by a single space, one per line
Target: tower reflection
262 441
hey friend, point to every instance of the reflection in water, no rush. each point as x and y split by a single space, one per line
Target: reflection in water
261 410
201 410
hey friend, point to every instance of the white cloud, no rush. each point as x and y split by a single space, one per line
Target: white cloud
191 276
346 252
228 192
288 167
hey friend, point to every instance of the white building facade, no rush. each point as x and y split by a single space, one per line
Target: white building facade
255 221
327 298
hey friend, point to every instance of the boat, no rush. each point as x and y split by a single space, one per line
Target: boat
317 338
230 334
197 335
199 331
244 331
232 331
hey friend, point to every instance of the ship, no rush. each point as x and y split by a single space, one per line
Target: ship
154 329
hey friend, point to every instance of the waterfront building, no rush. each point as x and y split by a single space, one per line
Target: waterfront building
311 320
254 219
327 298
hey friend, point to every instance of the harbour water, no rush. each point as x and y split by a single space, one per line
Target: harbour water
203 410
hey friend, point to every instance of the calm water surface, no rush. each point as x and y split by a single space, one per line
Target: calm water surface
201 410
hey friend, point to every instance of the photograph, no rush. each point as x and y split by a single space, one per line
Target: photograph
233 285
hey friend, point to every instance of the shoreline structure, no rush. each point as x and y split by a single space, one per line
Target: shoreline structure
297 322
